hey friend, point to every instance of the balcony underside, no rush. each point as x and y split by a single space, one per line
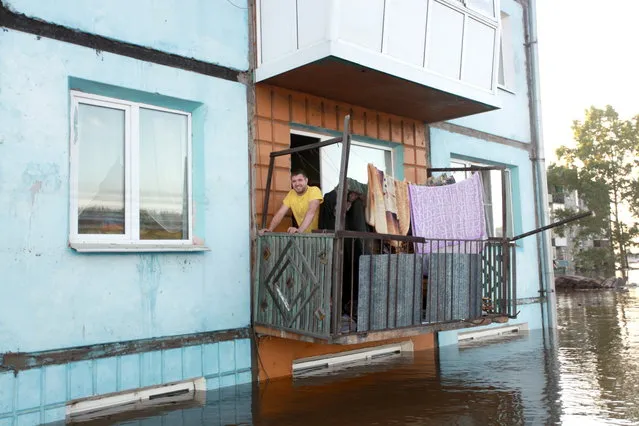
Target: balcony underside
355 84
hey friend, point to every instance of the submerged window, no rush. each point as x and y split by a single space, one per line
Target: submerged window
130 172
494 202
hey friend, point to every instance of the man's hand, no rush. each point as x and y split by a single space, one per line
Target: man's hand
293 230
263 231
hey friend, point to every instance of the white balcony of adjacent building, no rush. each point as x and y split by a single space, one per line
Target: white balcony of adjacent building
431 60
560 242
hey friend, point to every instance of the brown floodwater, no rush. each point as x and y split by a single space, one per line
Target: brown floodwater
586 373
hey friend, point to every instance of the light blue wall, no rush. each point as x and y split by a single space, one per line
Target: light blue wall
512 120
528 314
446 145
39 395
209 30
53 297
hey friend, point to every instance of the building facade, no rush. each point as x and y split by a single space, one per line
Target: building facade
135 154
427 85
124 172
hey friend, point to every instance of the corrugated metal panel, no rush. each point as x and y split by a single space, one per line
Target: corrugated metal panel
390 291
454 287
294 283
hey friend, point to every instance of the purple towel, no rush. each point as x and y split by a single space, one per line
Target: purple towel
453 212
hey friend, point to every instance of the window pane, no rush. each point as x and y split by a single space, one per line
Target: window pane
497 203
163 179
501 79
358 161
359 158
484 6
100 170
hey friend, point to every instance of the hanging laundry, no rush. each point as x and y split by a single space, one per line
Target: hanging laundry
387 205
356 191
452 212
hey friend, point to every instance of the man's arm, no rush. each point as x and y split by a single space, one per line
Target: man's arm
313 205
276 219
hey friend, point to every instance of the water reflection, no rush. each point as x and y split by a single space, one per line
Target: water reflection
598 356
586 373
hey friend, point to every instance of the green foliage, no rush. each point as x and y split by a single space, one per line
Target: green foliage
602 167
595 260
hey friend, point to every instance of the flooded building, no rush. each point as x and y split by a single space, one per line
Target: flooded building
142 152
429 87
125 233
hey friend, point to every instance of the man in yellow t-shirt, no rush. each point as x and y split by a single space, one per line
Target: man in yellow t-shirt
304 201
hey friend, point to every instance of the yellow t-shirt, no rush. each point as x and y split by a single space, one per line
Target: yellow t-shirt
299 205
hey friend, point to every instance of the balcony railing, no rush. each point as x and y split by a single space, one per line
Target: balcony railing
343 285
379 283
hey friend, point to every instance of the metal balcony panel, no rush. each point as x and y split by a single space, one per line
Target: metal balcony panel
426 59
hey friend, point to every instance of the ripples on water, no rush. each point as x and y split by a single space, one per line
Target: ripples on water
589 376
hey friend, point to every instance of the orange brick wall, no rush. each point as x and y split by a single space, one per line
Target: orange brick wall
277 108
276 355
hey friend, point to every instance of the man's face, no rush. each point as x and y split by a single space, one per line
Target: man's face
299 183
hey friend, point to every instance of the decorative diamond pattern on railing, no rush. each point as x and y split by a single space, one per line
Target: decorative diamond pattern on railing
294 283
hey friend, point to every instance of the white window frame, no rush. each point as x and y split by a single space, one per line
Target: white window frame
354 141
506 59
130 240
469 5
508 203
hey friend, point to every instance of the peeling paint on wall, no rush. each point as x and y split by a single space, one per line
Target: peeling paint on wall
41 178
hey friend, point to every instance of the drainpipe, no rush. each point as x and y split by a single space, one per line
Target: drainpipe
547 284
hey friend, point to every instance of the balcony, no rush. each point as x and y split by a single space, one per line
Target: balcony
349 288
345 287
430 60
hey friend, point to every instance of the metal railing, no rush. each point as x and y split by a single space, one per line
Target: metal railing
334 284
378 282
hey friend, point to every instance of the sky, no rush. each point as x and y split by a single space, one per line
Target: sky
588 56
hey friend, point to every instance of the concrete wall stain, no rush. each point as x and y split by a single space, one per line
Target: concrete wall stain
149 273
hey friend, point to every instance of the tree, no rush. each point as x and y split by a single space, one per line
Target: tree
603 166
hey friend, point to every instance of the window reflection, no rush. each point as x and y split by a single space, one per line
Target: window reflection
100 170
163 179
359 158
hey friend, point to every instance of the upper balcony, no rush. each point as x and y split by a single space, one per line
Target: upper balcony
430 60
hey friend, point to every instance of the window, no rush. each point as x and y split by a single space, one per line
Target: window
361 154
493 198
130 173
506 60
323 165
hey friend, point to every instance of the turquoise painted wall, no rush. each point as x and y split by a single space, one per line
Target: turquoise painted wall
209 30
53 297
40 395
446 145
513 119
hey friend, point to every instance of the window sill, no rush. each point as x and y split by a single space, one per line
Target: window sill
134 248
